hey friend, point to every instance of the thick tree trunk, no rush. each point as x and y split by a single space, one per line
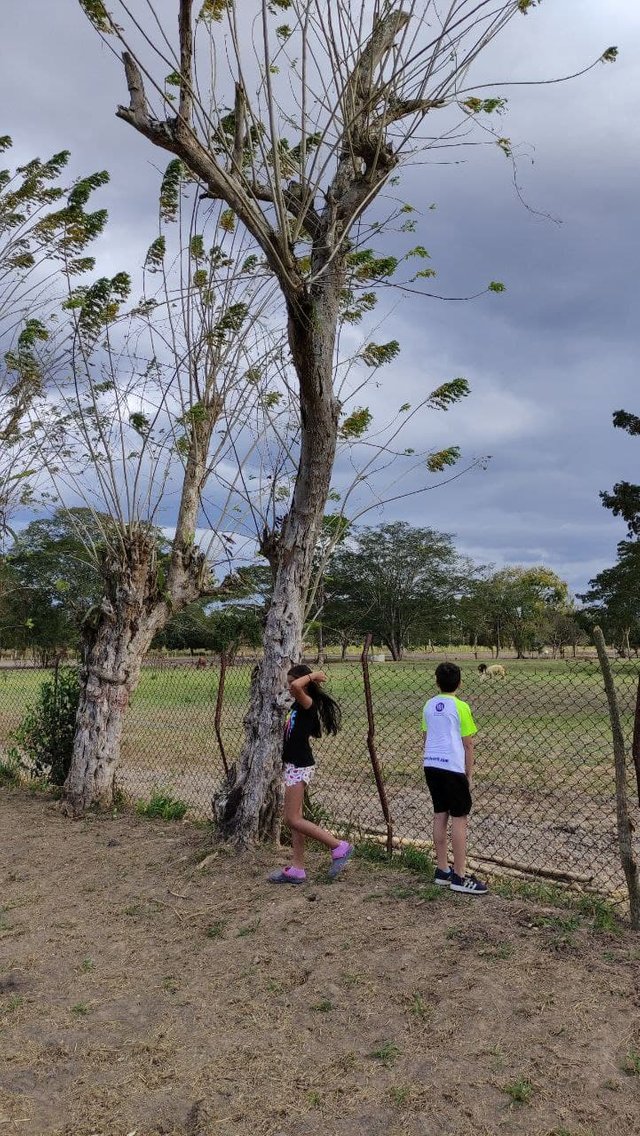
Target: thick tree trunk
112 670
116 637
247 806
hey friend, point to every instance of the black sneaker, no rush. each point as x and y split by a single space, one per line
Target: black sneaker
468 885
443 878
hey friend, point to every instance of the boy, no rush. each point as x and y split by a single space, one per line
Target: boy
448 768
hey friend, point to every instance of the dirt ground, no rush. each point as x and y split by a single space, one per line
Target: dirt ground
141 992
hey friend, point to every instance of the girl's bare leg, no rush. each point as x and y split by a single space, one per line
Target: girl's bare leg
297 847
301 828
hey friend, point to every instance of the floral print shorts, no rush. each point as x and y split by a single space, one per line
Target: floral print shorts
294 774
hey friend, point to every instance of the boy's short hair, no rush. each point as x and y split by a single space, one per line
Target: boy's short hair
448 677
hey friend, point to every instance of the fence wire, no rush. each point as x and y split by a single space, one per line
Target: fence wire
544 789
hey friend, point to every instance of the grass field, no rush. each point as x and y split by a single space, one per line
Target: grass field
544 786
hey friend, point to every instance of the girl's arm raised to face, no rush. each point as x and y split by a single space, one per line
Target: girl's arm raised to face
298 686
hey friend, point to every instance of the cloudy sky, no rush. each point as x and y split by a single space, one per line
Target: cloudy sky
548 361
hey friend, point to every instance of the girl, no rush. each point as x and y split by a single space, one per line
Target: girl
313 712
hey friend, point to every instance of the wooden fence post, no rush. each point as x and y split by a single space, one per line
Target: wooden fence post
371 745
625 827
218 714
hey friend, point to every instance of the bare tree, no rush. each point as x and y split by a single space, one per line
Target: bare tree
156 397
357 83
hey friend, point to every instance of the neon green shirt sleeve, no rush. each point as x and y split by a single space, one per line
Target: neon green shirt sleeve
467 724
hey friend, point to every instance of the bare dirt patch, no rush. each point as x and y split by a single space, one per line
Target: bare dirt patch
141 992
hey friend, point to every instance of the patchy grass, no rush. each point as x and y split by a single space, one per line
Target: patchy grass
520 1090
162 806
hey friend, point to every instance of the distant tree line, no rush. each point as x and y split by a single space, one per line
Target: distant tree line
409 586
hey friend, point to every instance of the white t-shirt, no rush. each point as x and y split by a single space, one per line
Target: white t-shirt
446 720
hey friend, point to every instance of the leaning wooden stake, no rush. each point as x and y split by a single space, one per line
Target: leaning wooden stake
371 745
625 826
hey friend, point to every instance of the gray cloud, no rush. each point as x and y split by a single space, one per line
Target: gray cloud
548 361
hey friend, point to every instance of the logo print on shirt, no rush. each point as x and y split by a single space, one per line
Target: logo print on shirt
439 705
289 723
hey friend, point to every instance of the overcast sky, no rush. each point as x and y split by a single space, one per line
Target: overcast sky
548 361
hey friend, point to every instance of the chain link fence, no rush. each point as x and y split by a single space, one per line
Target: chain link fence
544 789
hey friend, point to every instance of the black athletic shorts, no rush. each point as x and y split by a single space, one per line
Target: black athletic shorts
449 791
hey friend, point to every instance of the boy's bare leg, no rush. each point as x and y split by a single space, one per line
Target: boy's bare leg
459 844
440 824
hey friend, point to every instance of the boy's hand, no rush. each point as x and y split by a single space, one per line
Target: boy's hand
317 676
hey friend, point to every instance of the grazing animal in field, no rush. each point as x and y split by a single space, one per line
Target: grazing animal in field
201 663
494 671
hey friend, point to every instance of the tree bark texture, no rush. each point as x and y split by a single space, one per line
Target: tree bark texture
247 807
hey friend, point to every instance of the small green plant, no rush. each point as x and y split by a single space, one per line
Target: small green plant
520 1090
250 929
323 1006
417 1006
314 1098
10 770
400 1094
374 853
350 979
498 951
561 928
600 912
44 738
170 984
81 1009
216 930
416 860
87 965
387 1052
162 806
632 1062
13 1003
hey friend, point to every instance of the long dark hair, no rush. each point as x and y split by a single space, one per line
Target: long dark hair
329 713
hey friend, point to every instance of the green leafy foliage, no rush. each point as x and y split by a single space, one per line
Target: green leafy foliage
214 10
391 580
356 424
440 459
170 190
97 12
364 265
99 304
485 106
449 393
624 499
232 319
44 738
377 354
140 423
155 254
